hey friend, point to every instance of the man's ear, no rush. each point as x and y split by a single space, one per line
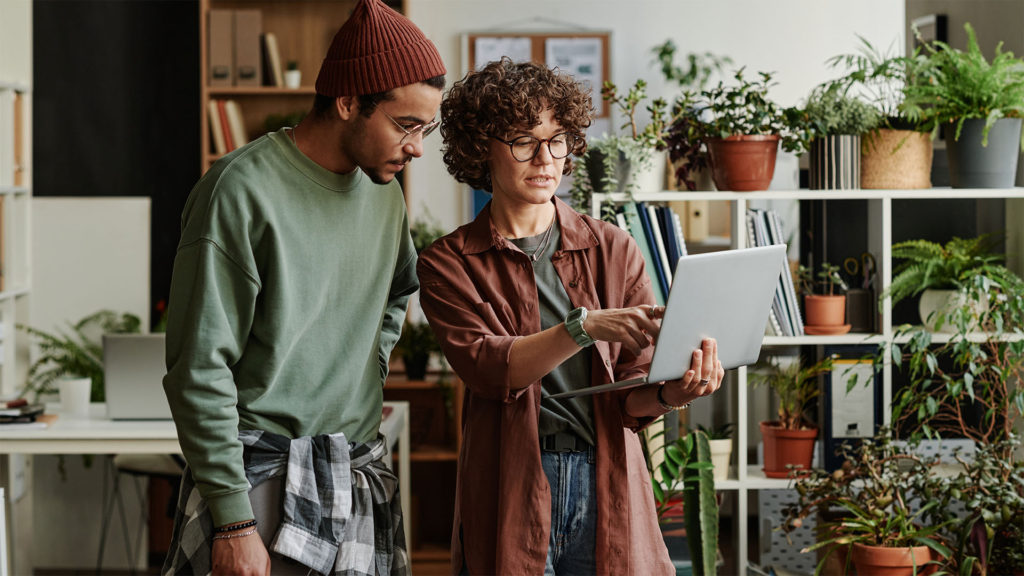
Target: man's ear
347 106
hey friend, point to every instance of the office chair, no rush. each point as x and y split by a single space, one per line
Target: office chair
141 467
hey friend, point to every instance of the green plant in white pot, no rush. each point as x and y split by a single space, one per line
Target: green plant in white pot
623 164
720 443
940 273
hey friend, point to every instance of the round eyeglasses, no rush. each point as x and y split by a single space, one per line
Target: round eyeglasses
525 148
414 129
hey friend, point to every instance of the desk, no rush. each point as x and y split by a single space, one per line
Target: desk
100 435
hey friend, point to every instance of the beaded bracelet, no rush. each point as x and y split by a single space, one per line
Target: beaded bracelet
233 527
222 536
666 405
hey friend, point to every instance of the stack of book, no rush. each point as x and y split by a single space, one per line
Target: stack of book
659 234
764 228
20 413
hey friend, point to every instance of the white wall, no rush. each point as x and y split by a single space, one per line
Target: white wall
16 41
89 254
792 38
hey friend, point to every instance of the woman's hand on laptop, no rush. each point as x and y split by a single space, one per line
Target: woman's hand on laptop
702 379
635 328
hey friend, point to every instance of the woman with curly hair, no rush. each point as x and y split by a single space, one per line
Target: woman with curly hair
529 300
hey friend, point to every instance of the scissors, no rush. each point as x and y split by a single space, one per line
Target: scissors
864 266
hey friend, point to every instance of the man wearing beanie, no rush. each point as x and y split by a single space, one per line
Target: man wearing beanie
289 291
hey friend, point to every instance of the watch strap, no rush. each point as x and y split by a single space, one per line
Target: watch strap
574 324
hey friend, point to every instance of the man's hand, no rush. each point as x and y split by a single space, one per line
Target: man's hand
634 327
703 378
243 556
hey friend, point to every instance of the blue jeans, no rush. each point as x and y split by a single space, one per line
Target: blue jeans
571 476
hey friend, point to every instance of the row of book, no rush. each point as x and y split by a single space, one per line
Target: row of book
240 53
226 125
659 234
764 228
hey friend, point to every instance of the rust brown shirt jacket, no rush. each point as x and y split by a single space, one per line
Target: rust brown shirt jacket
479 294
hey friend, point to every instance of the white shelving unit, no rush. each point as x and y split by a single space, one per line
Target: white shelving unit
15 208
749 477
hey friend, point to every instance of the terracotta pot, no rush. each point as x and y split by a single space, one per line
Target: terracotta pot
896 160
824 310
743 163
884 561
784 447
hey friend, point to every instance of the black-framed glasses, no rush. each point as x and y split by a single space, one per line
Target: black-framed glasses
525 148
417 129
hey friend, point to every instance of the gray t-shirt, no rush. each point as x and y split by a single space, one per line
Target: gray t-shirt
566 414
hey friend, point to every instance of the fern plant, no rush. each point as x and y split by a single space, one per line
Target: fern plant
929 264
963 85
75 352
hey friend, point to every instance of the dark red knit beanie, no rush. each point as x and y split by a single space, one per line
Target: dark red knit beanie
377 49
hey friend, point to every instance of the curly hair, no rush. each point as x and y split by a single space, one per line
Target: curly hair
502 98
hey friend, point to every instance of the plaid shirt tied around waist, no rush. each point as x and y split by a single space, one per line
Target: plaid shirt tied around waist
341 510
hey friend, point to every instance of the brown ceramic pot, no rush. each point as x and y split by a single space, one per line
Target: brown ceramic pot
743 163
784 447
824 310
884 561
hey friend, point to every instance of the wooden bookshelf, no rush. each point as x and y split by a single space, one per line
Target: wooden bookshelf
304 30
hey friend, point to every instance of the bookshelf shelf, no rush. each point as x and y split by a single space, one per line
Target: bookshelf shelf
261 91
751 478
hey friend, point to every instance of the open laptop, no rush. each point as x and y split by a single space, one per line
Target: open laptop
723 295
133 370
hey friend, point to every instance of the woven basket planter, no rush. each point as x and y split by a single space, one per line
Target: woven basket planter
896 160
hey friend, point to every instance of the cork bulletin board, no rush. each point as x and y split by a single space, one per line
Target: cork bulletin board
584 55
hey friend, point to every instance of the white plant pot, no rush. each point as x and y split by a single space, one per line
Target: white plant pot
292 78
935 302
721 453
75 394
653 179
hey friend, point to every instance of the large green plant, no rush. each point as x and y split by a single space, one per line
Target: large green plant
874 491
741 107
882 79
74 352
686 470
925 264
700 66
796 385
960 85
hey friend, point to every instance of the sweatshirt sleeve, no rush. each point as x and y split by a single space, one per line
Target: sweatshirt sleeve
210 313
403 284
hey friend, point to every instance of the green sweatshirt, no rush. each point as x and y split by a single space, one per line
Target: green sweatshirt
289 290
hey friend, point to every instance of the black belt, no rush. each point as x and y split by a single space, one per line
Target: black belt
563 442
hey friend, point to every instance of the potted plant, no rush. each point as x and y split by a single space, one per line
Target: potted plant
736 129
292 75
831 123
897 154
970 386
979 104
789 441
940 273
623 164
75 353
720 444
698 70
867 510
415 346
683 481
824 313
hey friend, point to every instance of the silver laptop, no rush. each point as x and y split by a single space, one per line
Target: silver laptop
723 295
133 370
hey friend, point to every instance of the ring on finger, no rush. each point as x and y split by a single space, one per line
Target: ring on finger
704 381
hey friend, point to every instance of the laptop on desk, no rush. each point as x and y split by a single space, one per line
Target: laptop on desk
133 370
723 295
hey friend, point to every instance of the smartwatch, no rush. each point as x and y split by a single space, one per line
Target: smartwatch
574 324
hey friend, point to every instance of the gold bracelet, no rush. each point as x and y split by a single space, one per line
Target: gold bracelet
229 535
666 406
